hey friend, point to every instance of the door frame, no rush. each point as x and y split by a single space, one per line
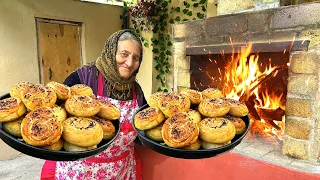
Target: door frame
55 21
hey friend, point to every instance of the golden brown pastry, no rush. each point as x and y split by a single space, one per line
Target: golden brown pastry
154 99
195 96
63 91
194 115
238 123
18 89
109 131
57 146
210 93
13 127
82 106
214 107
108 110
216 130
208 145
37 96
237 108
155 133
179 131
41 127
148 118
172 103
81 90
74 148
60 113
82 131
194 146
11 108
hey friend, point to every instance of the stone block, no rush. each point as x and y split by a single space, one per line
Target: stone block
287 35
304 62
230 6
298 107
258 22
299 129
183 78
179 30
295 148
313 35
303 85
181 62
293 16
258 37
179 48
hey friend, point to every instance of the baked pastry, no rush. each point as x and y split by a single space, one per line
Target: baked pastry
237 108
172 103
195 96
13 127
179 131
210 93
208 145
148 118
63 91
74 148
194 146
41 127
11 108
194 115
82 131
214 107
37 96
155 133
108 110
82 106
18 89
154 99
81 90
238 123
109 131
60 113
57 146
216 130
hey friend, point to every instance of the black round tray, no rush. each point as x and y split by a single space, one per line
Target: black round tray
61 155
188 154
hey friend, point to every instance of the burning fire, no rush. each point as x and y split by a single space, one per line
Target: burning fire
243 79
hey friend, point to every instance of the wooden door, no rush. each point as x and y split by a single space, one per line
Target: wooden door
59 49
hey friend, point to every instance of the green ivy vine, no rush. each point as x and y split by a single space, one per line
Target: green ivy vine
158 16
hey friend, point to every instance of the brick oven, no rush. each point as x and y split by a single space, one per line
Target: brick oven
290 34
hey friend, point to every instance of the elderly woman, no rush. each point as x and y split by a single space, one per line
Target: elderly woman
112 77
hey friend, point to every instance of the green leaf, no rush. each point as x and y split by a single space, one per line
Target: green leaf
164 4
204 9
185 11
146 44
159 89
168 52
200 15
185 19
202 2
171 21
158 77
169 44
185 3
168 37
189 13
169 1
177 9
165 90
188 5
177 18
155 50
195 4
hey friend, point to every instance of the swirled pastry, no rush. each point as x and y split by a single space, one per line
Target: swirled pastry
237 108
13 127
214 107
108 110
81 90
82 131
57 146
194 115
82 106
63 91
195 96
179 131
154 99
238 123
148 118
40 127
60 113
11 108
208 145
216 130
74 148
109 131
194 146
210 93
18 89
172 103
38 95
155 133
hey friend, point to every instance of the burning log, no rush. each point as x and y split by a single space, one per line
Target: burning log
250 105
271 114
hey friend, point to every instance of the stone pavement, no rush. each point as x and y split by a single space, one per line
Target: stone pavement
21 168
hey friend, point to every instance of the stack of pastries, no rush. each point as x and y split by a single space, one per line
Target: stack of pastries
58 117
191 119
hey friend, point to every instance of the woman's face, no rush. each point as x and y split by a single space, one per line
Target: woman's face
127 58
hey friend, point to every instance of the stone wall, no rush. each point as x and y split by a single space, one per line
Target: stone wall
300 22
